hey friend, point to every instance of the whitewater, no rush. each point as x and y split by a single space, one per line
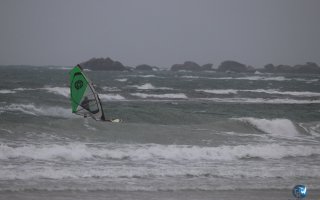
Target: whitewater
185 135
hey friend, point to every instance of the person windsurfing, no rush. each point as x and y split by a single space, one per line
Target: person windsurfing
85 104
85 100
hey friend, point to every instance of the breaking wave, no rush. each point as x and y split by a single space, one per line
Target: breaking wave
254 78
277 127
291 93
111 89
149 86
262 78
24 89
227 91
31 109
154 152
277 78
7 91
261 100
144 76
111 97
147 76
192 77
160 96
64 91
122 79
269 91
161 164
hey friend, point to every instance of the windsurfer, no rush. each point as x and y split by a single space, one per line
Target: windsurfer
85 104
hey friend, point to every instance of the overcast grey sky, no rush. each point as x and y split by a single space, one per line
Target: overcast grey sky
159 32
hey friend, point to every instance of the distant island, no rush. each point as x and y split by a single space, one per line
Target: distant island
102 64
229 66
191 66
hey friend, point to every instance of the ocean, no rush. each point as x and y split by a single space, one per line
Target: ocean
184 135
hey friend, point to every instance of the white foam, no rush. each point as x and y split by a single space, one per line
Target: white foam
148 76
312 128
145 76
155 152
151 161
111 89
7 91
61 68
269 91
258 77
6 130
64 91
250 78
276 78
261 100
31 109
192 77
46 152
24 89
87 125
307 80
122 79
262 78
277 127
66 68
292 93
226 91
161 96
149 86
111 97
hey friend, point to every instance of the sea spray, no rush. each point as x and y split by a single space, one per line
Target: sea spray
277 127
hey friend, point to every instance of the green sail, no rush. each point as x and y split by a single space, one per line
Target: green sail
84 99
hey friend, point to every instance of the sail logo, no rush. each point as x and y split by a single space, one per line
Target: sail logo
299 191
78 84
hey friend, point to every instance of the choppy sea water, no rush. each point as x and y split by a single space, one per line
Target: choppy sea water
183 132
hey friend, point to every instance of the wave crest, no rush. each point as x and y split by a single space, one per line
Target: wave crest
278 127
149 86
7 91
111 97
64 91
160 96
154 152
31 109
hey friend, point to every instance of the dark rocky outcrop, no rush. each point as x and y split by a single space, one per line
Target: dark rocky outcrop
233 66
101 64
187 66
190 66
207 67
145 67
226 66
308 68
269 68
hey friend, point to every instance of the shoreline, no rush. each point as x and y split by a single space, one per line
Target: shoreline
243 194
